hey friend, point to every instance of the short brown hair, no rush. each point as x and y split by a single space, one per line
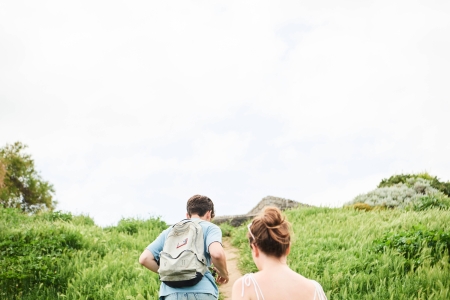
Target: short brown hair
200 205
271 232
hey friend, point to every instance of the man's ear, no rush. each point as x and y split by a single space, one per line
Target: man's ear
188 216
208 215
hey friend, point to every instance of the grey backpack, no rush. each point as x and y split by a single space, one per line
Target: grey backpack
182 261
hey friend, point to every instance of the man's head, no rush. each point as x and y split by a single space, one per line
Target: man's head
199 205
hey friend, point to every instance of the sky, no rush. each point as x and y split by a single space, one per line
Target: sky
131 107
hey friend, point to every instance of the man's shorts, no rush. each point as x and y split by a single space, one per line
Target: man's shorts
189 296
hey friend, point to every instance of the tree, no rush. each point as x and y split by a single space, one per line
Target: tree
2 173
21 186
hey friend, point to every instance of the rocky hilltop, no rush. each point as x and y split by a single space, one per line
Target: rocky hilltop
281 203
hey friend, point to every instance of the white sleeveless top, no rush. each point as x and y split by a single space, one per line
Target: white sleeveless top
248 279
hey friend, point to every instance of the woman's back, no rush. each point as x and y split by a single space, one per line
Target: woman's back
279 284
270 241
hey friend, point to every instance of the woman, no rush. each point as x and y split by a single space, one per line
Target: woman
270 240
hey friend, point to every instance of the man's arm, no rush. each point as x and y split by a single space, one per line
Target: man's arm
148 260
219 260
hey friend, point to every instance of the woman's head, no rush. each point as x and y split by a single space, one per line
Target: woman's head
270 231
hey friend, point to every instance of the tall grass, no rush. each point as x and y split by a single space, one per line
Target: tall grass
353 254
337 247
60 256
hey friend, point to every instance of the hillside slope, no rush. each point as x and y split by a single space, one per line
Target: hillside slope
367 255
60 256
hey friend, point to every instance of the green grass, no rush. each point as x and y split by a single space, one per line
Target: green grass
60 256
338 248
384 254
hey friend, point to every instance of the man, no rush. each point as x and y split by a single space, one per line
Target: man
198 207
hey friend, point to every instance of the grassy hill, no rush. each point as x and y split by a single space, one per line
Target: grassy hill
60 256
354 254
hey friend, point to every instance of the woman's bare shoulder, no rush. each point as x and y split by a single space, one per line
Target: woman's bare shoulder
239 290
235 291
238 282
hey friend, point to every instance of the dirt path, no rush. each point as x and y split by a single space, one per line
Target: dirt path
232 255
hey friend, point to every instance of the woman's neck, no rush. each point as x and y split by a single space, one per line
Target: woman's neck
266 262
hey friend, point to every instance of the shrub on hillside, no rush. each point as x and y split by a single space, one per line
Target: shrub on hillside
362 206
405 192
410 244
434 182
37 251
56 216
226 228
35 257
133 226
11 216
395 196
435 201
83 220
55 256
129 226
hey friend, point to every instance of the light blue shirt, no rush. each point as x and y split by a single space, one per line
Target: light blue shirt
211 234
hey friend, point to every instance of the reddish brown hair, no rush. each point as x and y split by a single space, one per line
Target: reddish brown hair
271 231
200 205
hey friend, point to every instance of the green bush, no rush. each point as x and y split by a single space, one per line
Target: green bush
56 216
410 244
406 192
132 226
12 217
36 257
83 220
129 226
431 202
391 197
63 256
443 187
227 229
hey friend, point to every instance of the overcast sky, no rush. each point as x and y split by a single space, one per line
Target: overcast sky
131 107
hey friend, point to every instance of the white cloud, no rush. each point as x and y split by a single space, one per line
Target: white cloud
129 108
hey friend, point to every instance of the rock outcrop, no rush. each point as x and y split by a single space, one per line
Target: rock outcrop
237 220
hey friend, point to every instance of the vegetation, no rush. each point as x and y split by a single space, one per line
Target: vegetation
21 186
354 254
358 254
417 192
443 187
226 229
55 255
436 201
366 250
412 243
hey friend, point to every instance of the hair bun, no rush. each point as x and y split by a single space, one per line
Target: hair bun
271 232
272 217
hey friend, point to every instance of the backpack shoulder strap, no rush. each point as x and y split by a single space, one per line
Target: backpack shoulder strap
184 221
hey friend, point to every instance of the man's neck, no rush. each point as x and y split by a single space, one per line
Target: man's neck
204 218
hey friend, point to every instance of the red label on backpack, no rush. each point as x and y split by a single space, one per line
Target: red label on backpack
182 243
